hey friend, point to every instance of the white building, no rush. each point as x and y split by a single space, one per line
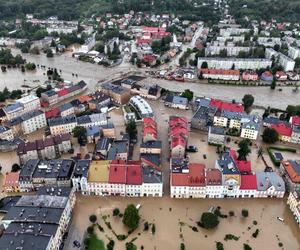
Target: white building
33 121
293 202
269 41
250 128
236 63
141 106
294 52
152 185
269 184
30 102
6 133
212 50
62 125
80 175
286 62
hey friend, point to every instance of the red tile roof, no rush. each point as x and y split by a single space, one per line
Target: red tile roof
134 174
295 120
248 182
233 107
195 177
282 129
143 41
11 179
220 71
117 172
213 177
291 171
52 113
244 167
150 127
178 141
63 92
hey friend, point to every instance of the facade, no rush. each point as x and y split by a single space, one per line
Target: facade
250 76
141 106
284 131
269 184
237 63
220 74
62 125
286 62
118 94
216 135
293 202
250 129
291 170
6 133
213 50
11 182
80 176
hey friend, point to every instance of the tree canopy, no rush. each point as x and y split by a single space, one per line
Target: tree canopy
270 135
131 217
244 149
209 220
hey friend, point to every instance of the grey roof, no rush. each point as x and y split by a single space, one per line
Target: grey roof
115 88
8 202
46 201
12 107
62 120
272 120
31 114
151 144
267 179
217 130
227 164
251 125
28 169
176 100
103 144
179 164
118 146
58 169
231 115
93 131
153 158
34 214
54 191
202 101
151 175
203 112
81 168
295 165
49 93
296 129
65 107
24 241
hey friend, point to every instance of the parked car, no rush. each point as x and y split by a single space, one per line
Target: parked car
138 206
192 149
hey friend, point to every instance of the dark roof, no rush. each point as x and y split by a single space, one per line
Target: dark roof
103 144
8 202
54 191
152 158
151 144
118 146
28 169
62 120
151 175
81 168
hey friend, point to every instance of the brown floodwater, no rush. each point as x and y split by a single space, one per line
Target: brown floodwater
166 213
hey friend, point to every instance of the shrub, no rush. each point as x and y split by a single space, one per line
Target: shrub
245 213
116 212
255 234
280 244
110 245
219 245
231 213
121 237
195 229
153 229
254 222
247 247
93 218
130 246
182 246
231 237
90 230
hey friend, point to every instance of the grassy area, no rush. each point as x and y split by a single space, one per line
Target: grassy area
95 243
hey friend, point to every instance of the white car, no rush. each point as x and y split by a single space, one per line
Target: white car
138 206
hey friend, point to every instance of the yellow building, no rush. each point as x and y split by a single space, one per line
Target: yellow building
98 178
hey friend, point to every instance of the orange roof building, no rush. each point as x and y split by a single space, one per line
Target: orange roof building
11 182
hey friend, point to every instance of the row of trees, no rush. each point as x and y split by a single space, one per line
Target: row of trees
6 94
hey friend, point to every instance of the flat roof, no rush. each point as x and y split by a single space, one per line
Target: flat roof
98 171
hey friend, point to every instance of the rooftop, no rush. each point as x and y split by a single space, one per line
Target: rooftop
248 182
117 172
99 171
134 173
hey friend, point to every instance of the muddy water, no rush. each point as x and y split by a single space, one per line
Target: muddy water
167 234
92 73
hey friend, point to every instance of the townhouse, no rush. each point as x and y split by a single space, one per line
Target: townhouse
284 131
47 148
149 129
80 176
117 178
28 122
216 135
118 150
291 171
269 184
178 136
62 125
26 175
214 186
134 179
250 76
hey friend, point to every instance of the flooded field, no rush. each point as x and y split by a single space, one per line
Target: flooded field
166 214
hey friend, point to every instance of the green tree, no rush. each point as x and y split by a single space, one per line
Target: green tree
244 149
35 51
219 245
131 217
245 213
116 212
273 84
204 65
39 91
247 247
131 128
188 94
270 135
130 246
80 133
209 220
30 66
248 101
15 167
182 246
93 218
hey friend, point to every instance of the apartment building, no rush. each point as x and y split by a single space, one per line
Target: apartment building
80 176
6 133
220 74
62 125
293 202
286 62
119 94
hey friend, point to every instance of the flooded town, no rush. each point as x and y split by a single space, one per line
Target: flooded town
149 125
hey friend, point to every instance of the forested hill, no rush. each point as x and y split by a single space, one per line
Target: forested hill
281 10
